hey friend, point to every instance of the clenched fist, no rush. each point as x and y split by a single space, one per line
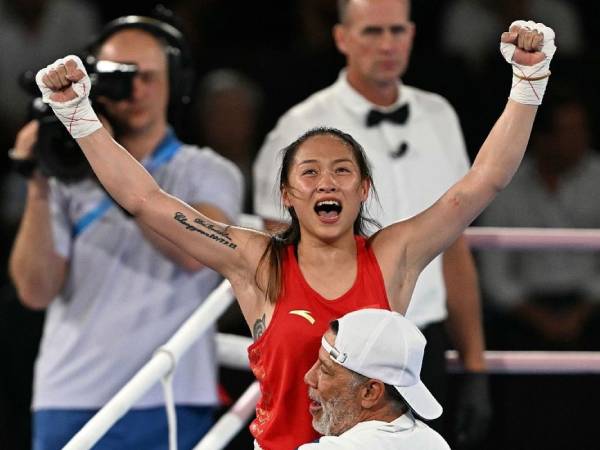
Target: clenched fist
529 48
65 86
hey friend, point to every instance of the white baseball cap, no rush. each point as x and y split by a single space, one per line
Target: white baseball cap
384 345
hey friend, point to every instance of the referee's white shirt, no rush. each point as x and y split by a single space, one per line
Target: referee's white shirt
434 159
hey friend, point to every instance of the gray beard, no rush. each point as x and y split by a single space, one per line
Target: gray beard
337 416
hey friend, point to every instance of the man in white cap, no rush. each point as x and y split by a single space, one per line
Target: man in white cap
366 389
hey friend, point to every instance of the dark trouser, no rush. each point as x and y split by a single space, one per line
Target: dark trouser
433 371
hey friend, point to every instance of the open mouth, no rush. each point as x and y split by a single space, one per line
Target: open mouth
314 407
328 210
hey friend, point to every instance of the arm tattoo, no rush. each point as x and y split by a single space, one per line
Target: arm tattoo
207 229
259 327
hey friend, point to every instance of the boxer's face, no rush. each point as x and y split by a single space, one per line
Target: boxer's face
325 187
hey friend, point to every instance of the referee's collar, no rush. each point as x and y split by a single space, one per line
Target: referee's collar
360 106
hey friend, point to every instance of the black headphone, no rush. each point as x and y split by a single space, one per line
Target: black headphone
179 57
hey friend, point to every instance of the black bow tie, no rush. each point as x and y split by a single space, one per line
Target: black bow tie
399 116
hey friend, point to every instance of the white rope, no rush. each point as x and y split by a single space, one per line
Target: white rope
231 422
533 238
512 237
167 385
534 362
160 365
232 353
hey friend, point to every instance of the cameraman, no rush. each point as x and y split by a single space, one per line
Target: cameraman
114 290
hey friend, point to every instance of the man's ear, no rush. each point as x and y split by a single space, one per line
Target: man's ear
339 37
412 31
371 393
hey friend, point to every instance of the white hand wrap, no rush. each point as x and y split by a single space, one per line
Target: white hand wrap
529 82
77 114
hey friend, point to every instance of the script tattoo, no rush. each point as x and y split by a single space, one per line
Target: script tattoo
207 229
213 228
259 327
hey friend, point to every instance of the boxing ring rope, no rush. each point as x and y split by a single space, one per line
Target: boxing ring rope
232 349
162 364
533 238
231 353
229 425
533 362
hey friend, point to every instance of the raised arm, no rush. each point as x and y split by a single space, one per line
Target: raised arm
412 244
232 251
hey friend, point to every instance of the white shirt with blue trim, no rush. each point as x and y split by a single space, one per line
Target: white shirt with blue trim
122 299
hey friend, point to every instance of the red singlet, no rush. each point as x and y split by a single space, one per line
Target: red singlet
290 345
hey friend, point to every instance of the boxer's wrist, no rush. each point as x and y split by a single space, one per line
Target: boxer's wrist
528 90
77 116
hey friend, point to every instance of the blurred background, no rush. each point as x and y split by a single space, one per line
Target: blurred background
253 61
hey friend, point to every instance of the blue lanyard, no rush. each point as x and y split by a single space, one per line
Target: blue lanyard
169 146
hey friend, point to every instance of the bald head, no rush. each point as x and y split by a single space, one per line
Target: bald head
343 6
133 45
